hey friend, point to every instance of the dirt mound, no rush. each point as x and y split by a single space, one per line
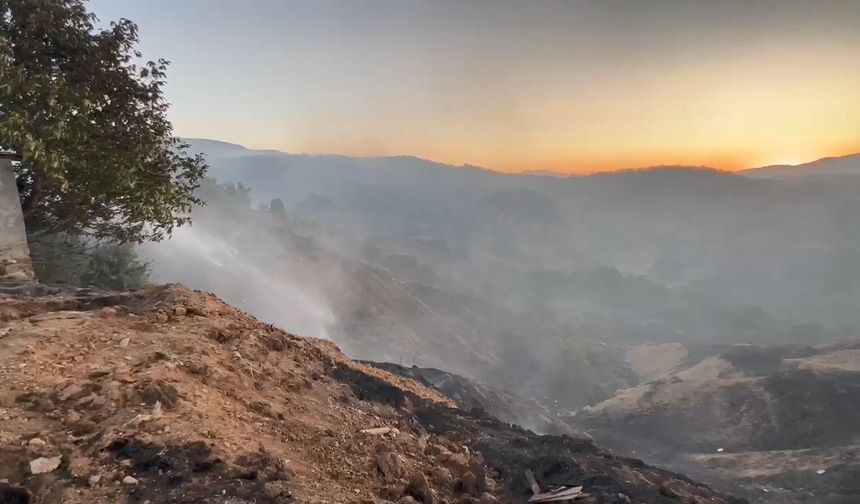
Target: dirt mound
169 395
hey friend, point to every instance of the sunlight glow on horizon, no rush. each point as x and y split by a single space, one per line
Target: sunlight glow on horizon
572 87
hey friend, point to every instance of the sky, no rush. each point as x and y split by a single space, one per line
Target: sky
569 86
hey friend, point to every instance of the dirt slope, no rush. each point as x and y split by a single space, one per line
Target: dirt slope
471 394
169 395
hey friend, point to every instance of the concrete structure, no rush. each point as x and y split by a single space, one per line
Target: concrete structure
15 262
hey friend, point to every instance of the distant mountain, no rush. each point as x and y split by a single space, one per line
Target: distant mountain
217 148
547 173
638 254
843 165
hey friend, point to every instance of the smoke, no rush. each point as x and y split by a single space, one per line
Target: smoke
240 273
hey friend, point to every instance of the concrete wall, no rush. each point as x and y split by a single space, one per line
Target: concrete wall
14 254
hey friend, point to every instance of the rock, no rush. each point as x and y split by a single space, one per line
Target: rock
460 459
407 500
37 443
389 464
160 391
378 430
82 427
113 391
442 476
456 462
420 489
92 401
487 498
156 410
124 342
68 391
468 484
43 465
94 480
10 494
675 490
129 480
480 478
17 276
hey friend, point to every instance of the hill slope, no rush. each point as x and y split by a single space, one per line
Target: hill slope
774 424
842 165
170 395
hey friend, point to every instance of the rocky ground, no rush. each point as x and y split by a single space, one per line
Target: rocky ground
772 424
170 396
469 395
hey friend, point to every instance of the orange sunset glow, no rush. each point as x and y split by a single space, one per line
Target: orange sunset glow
513 86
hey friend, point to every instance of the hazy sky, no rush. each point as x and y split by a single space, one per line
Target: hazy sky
533 84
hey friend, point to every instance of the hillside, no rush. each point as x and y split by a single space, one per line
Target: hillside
170 395
641 255
774 424
842 165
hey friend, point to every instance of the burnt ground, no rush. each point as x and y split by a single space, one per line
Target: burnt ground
473 395
771 424
509 450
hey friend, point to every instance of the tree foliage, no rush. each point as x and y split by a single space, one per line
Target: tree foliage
69 259
99 156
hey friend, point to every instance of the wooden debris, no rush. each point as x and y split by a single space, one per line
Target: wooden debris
560 494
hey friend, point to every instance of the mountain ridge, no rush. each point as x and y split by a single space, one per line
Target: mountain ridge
848 164
844 164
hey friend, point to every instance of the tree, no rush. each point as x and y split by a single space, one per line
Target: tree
89 122
70 259
116 267
277 208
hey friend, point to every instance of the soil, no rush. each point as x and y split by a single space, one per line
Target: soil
170 395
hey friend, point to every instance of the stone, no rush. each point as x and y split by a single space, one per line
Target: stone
487 498
124 342
160 391
68 391
94 480
82 426
468 484
37 443
389 464
113 391
156 410
11 494
442 476
43 465
420 489
18 276
129 480
480 478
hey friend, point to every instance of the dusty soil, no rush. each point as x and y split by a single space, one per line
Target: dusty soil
654 361
171 396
